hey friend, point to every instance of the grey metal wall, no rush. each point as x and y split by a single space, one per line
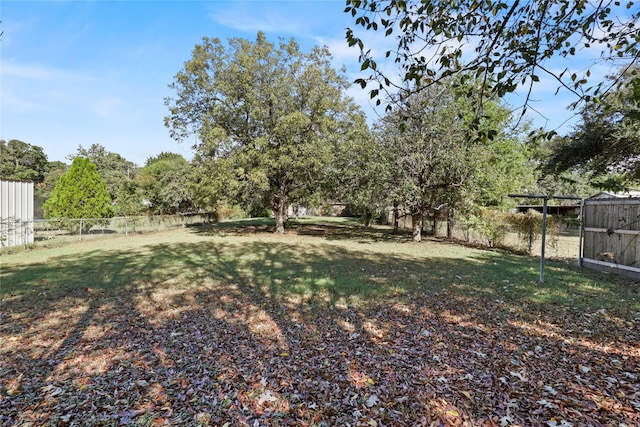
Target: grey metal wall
16 213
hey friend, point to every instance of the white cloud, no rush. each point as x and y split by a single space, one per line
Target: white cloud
12 102
34 72
339 48
107 107
13 69
249 18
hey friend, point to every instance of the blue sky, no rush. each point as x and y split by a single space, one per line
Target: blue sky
80 73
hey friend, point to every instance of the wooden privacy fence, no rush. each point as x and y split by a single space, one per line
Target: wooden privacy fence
610 236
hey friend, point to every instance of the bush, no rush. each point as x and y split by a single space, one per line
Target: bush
490 224
79 194
226 211
529 227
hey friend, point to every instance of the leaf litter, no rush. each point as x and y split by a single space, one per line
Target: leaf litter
231 354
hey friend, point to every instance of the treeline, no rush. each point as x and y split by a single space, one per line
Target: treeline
115 185
274 129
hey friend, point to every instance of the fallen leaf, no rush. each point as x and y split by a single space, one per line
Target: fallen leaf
267 396
520 376
372 401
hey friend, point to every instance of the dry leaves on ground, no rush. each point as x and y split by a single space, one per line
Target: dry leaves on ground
231 355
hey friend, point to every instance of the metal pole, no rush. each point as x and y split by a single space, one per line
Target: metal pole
581 238
544 235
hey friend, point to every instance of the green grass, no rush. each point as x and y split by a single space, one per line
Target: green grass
322 262
328 324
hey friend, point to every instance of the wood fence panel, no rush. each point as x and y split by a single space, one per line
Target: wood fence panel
611 235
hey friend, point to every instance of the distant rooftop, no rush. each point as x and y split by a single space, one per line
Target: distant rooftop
632 194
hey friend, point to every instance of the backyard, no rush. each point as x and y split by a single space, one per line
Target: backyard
328 324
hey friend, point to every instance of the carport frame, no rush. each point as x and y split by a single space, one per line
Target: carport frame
546 199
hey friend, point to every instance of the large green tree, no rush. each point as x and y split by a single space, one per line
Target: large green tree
503 44
362 171
427 144
502 164
79 193
130 200
22 161
165 183
266 119
438 161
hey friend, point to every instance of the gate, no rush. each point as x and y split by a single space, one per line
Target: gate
610 236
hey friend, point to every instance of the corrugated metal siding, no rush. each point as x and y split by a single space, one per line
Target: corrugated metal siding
16 213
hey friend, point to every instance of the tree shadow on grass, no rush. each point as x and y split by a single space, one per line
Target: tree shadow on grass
357 233
242 226
282 333
346 229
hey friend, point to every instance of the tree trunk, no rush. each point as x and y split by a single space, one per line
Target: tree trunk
396 218
450 223
280 207
531 240
368 216
417 219
434 225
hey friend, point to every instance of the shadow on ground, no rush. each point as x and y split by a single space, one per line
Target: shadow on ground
289 333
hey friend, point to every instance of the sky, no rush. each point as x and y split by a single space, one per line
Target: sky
77 73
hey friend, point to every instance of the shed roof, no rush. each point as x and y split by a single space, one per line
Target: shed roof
631 194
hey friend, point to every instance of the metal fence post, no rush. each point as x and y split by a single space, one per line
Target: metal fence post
544 220
544 236
581 238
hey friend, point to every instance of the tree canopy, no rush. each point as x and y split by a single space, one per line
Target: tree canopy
22 161
165 183
112 167
362 175
436 161
502 44
266 118
605 142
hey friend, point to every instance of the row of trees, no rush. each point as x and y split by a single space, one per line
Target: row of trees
274 128
432 159
99 183
161 186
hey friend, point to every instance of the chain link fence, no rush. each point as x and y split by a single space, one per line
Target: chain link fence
45 232
50 232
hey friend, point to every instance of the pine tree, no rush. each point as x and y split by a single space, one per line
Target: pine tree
80 193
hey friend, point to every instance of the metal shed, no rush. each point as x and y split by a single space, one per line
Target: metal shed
16 213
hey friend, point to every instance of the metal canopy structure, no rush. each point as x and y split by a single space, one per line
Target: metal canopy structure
545 200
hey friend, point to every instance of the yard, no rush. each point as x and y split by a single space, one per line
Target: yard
329 324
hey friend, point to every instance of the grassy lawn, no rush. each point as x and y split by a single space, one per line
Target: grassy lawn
329 324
